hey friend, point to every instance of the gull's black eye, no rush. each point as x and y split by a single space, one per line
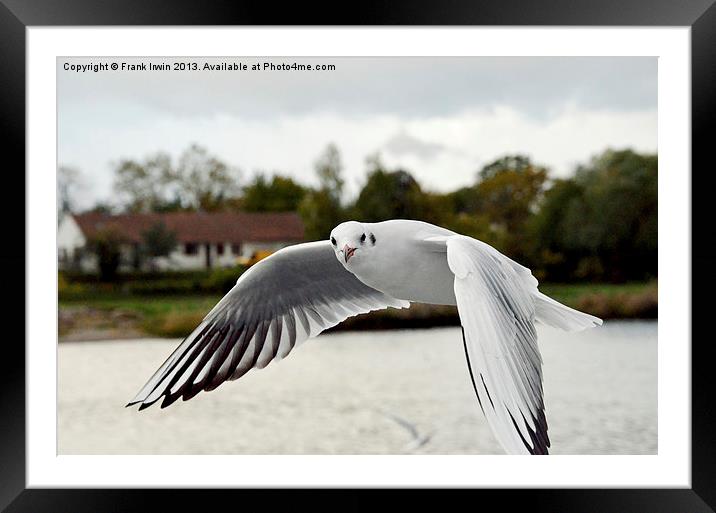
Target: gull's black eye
333 241
362 238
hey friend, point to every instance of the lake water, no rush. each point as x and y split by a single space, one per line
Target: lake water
387 392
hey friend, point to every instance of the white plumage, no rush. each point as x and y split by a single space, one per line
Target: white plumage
304 289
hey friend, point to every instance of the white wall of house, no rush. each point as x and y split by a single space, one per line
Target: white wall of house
70 243
179 259
69 235
249 248
226 259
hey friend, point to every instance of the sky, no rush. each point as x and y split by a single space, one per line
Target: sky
440 118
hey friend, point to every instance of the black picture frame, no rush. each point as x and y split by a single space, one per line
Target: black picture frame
16 15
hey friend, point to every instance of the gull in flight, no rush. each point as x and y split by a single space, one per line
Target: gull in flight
301 290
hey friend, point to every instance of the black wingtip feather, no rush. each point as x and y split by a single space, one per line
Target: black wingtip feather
487 390
190 392
168 400
469 368
144 406
539 439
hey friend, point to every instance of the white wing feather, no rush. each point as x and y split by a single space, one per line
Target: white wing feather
496 303
276 305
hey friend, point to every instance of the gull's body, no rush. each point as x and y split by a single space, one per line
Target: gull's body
304 289
392 268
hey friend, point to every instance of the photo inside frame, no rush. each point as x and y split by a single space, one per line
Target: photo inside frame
178 175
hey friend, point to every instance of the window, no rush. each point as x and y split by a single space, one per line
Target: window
191 248
220 248
236 249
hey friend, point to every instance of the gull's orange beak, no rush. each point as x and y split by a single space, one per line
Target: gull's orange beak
348 252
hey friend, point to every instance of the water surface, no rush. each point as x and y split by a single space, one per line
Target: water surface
384 392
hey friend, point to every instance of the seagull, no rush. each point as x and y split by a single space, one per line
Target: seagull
303 289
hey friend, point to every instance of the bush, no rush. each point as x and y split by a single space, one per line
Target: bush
216 281
634 305
130 276
106 244
162 287
67 289
222 280
173 324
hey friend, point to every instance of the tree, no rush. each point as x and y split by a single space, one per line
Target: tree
475 226
329 169
616 219
199 181
68 182
509 190
320 214
506 194
549 230
515 163
281 194
101 207
602 224
144 186
389 195
106 245
321 209
158 241
204 182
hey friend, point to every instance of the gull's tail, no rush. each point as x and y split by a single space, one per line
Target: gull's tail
557 315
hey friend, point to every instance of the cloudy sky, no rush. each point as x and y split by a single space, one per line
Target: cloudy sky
440 118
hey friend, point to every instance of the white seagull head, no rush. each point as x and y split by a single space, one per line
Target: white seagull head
352 240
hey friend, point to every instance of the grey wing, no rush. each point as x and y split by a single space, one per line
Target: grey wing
496 303
277 304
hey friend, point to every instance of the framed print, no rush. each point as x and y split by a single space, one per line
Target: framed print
171 150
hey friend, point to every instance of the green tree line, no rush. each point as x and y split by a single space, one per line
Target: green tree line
598 225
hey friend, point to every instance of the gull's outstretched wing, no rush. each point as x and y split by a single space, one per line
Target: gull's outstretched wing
278 303
495 300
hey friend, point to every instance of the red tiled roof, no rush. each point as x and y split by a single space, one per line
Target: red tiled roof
234 227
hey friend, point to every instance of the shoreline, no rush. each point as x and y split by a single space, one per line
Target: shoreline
112 315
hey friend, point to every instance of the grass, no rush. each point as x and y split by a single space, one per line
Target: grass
176 316
163 316
150 306
571 294
635 304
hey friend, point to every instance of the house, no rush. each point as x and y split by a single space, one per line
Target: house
204 239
